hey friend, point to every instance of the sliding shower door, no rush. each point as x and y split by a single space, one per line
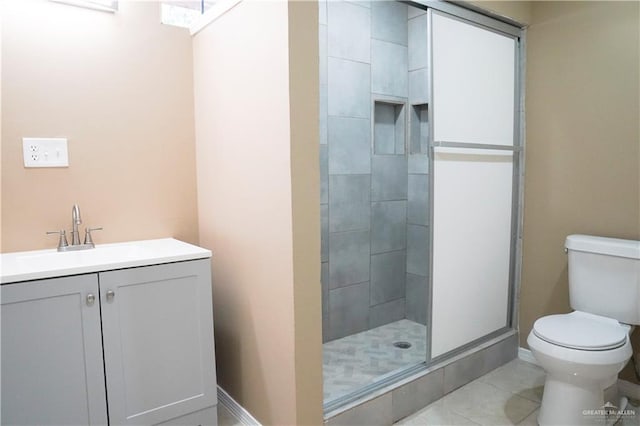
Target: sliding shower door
474 164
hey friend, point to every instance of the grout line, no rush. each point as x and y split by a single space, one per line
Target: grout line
346 116
348 60
348 285
406 46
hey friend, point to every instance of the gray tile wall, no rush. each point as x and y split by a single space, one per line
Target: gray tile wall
417 278
368 194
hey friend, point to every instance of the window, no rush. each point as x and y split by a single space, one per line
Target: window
183 13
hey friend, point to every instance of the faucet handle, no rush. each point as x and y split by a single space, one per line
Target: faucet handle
62 242
87 234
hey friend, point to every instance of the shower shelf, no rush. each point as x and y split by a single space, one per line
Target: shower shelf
418 129
389 128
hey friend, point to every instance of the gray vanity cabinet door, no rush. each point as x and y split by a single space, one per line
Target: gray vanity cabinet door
52 370
158 341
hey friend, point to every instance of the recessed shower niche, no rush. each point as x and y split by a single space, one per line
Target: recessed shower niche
419 129
389 128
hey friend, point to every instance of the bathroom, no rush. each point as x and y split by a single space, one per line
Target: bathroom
138 102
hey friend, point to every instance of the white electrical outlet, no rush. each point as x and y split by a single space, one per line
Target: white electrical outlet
45 152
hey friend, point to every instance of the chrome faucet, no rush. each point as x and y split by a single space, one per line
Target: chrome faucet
76 220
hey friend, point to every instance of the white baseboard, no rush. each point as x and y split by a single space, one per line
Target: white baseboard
526 355
236 409
628 389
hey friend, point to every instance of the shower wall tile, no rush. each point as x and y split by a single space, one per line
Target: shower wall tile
416 294
349 85
418 163
388 226
322 53
367 201
349 202
463 371
349 258
385 313
348 310
417 394
324 113
418 42
423 116
324 232
349 31
322 12
388 277
418 200
417 250
389 69
502 352
389 177
322 36
324 174
361 3
400 130
349 145
324 280
418 86
370 413
389 21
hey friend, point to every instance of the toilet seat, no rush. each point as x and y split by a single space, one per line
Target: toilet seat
582 331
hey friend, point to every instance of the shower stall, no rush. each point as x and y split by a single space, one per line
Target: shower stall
420 187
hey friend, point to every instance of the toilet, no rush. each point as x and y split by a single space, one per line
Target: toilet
583 351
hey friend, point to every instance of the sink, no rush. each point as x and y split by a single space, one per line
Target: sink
56 259
38 264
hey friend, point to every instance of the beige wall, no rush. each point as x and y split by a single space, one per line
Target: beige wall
305 182
583 141
258 191
518 10
119 87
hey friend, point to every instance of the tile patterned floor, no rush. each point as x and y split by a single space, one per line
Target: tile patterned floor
509 395
355 361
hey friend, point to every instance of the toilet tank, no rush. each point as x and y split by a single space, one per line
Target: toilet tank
604 276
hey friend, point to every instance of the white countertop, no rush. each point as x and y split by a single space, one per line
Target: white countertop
39 264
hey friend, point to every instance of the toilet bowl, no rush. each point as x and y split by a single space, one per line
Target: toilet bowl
582 354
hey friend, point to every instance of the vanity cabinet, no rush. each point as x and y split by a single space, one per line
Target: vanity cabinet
154 326
158 342
52 369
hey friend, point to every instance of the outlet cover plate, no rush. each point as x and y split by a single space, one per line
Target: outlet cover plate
45 152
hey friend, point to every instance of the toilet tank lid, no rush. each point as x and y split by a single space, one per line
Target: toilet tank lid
604 245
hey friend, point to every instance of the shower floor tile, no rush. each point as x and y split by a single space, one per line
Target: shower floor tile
355 361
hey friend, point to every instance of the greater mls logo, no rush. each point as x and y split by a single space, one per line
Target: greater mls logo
609 411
